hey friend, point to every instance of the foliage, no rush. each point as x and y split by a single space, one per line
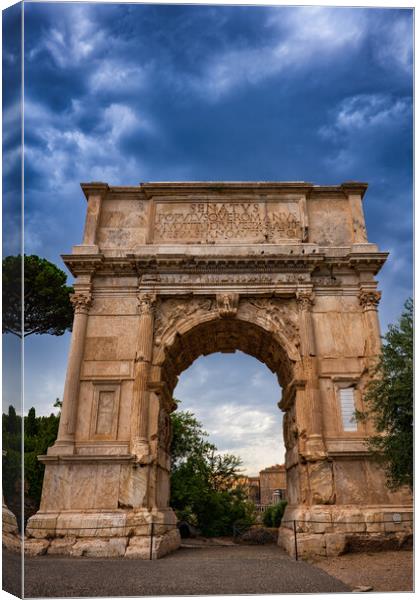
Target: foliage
47 306
204 484
39 434
389 402
274 514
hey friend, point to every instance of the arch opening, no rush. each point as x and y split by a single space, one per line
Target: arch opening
235 397
225 335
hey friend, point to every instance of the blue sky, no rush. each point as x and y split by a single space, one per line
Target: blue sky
130 93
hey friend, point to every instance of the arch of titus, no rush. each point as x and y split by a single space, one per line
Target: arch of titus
167 272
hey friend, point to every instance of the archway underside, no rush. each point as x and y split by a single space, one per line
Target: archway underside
225 335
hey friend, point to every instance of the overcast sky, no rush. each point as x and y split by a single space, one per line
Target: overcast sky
130 93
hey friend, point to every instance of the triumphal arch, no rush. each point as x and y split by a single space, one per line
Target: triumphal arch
167 272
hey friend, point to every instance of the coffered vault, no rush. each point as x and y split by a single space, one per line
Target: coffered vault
167 272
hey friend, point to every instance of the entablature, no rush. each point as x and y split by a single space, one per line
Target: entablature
290 264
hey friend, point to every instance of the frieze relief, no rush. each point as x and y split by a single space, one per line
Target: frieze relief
281 314
223 279
171 311
208 222
326 280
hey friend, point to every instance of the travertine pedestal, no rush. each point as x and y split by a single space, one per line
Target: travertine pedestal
170 271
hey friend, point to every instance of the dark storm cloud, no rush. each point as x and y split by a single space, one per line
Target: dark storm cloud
11 119
129 93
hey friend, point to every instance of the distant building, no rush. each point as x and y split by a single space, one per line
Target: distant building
268 488
272 485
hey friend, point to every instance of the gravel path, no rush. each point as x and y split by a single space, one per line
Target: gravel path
383 571
216 570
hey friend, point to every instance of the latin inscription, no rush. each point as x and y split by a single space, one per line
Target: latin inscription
227 221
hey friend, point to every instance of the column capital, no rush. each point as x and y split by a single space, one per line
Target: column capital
369 299
81 301
146 302
305 299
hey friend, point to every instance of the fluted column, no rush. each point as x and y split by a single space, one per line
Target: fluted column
369 300
66 432
140 413
314 443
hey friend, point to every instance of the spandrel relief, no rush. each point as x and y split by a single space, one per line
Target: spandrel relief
171 311
281 313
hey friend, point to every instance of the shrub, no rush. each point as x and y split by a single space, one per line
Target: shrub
274 514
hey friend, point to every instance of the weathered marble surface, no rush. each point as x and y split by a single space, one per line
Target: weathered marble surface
167 272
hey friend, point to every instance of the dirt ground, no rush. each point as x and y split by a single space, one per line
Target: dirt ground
390 571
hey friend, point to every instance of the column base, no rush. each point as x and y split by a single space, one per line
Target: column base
145 534
61 448
334 530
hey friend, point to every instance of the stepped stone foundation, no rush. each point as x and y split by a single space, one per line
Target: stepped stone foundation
331 531
167 272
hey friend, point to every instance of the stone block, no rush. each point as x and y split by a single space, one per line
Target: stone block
375 522
9 521
319 521
286 540
97 547
41 526
87 525
321 482
311 545
349 521
61 546
11 541
139 546
33 547
335 544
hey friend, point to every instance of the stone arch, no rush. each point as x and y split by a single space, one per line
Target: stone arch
250 330
215 266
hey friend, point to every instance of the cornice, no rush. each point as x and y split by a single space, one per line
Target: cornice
368 261
132 264
151 189
79 264
354 187
94 188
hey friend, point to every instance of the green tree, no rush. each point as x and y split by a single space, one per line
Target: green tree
47 307
39 434
389 402
205 486
12 421
31 425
